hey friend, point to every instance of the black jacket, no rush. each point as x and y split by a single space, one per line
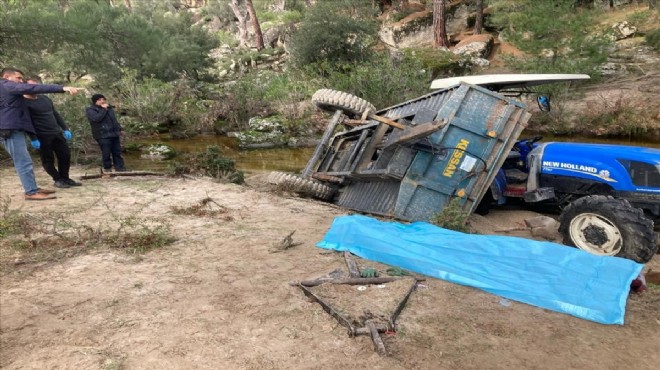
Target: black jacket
103 121
45 118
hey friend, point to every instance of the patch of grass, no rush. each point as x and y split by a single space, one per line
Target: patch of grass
12 221
452 217
137 235
51 236
638 18
206 207
653 39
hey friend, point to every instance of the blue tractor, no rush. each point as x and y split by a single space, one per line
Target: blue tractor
609 195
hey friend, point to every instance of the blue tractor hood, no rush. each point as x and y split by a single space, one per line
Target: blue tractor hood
612 164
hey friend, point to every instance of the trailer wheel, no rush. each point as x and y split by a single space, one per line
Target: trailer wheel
301 185
332 100
608 226
276 177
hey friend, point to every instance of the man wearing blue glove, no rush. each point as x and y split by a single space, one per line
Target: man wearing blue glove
15 123
52 136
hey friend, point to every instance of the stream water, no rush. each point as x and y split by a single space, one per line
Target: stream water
290 159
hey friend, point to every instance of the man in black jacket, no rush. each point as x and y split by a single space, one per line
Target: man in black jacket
106 130
52 137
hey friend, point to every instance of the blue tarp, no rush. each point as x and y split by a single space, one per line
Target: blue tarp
542 274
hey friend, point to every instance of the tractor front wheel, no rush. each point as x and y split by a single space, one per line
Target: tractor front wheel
608 226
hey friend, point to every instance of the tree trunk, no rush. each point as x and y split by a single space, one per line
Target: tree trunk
439 30
652 4
242 22
128 5
259 42
479 19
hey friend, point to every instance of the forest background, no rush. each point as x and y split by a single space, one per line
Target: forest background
189 67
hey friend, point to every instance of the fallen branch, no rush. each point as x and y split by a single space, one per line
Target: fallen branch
353 269
354 281
285 244
117 174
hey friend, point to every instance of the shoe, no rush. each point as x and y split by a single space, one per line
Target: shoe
61 184
39 196
71 182
45 191
121 170
107 170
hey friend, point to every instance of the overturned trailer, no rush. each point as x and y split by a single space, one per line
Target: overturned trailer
409 161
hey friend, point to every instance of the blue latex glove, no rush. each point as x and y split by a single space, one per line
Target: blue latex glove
67 135
36 144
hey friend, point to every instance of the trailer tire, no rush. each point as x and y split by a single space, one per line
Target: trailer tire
332 100
276 177
301 185
605 225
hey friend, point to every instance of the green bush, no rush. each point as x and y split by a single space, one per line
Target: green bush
209 163
452 217
653 39
330 33
243 100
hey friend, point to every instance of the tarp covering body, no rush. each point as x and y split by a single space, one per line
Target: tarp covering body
542 274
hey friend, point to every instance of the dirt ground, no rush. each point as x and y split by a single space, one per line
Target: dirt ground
220 298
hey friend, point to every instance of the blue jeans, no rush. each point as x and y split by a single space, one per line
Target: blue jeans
17 149
111 148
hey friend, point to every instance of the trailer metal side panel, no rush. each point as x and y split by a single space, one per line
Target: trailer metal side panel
461 163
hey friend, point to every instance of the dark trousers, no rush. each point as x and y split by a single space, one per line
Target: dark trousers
111 152
55 146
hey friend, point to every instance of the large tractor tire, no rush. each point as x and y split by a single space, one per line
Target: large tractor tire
608 226
333 100
301 185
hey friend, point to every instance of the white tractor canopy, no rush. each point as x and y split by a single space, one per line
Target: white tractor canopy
499 82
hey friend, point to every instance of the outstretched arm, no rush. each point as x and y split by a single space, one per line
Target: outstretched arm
15 88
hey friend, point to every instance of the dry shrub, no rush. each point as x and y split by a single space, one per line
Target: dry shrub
27 238
619 116
206 207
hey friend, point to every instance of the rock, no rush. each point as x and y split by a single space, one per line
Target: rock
544 227
158 152
612 69
480 62
270 124
547 53
297 142
623 30
478 46
541 221
262 133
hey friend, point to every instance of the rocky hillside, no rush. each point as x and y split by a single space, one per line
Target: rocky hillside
630 87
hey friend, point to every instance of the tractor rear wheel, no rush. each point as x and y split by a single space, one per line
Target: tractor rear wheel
608 226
